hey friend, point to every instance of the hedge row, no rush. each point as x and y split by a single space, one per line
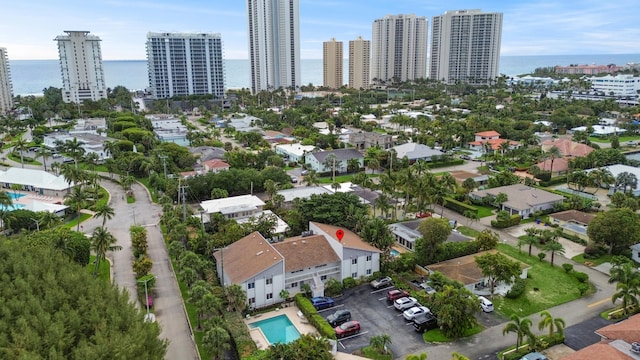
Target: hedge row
314 318
452 250
244 344
554 181
513 220
543 342
439 164
459 206
517 289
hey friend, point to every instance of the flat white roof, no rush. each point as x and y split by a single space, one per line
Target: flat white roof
296 149
303 192
231 204
36 178
279 227
37 206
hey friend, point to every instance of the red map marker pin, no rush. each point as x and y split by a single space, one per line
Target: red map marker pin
340 234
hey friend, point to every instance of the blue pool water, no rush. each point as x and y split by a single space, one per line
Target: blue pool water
15 195
277 329
395 253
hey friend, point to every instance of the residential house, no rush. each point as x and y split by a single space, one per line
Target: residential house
169 129
406 233
205 153
204 167
615 343
568 150
263 268
242 123
415 151
573 222
618 169
461 176
38 181
294 152
319 161
242 209
90 142
635 252
599 130
363 140
277 137
522 199
465 270
302 192
490 141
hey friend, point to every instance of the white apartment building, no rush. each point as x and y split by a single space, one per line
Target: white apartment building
359 63
332 60
6 89
81 67
185 64
399 48
274 44
619 85
465 46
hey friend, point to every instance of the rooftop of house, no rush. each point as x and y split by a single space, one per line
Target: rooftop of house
627 330
303 192
297 252
574 215
232 204
559 165
248 257
349 240
340 154
567 147
490 133
598 351
415 151
521 197
33 177
464 269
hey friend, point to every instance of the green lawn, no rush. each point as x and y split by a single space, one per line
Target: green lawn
437 336
370 353
603 259
607 140
104 272
74 222
340 178
17 159
542 290
467 231
484 211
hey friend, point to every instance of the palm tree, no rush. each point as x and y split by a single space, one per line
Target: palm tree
5 199
553 154
44 152
48 219
627 278
353 165
21 145
311 178
531 239
75 149
216 341
552 323
468 185
554 247
104 211
101 242
373 164
76 199
521 327
379 343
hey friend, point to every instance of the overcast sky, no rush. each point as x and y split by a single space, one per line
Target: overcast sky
531 27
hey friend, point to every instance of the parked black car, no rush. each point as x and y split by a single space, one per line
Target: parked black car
425 322
339 317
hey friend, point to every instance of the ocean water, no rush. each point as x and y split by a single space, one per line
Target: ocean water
32 76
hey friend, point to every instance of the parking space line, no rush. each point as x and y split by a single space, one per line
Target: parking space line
331 308
382 298
351 337
383 289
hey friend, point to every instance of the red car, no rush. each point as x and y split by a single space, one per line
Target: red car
348 328
423 215
392 295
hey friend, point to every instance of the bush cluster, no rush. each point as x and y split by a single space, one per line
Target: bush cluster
505 223
459 206
517 289
452 250
581 277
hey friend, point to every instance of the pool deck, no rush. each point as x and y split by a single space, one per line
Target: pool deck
292 313
31 196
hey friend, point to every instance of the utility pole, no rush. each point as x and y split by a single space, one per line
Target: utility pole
164 164
184 202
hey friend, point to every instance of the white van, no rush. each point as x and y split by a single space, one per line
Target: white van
485 304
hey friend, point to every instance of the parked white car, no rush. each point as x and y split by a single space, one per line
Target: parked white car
405 303
414 312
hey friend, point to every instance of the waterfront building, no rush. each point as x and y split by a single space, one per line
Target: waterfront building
81 67
274 44
587 69
359 63
399 48
185 64
332 60
465 46
6 90
619 85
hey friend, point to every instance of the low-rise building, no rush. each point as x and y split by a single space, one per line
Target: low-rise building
321 162
234 207
573 222
363 140
415 151
37 181
264 267
592 69
619 85
615 342
294 152
522 199
490 141
91 143
169 129
302 192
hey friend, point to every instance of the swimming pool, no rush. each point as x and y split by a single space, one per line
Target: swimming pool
395 253
277 329
15 196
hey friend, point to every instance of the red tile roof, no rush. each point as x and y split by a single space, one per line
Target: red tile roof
349 240
215 164
627 330
598 351
489 133
559 164
568 147
248 257
305 252
574 215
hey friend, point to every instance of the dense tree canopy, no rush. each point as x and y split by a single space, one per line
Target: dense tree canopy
455 307
334 209
53 308
434 233
615 228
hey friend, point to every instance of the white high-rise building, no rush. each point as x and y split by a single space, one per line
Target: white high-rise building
359 63
6 89
185 64
399 48
81 67
332 60
465 46
274 44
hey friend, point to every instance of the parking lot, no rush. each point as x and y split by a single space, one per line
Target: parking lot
377 317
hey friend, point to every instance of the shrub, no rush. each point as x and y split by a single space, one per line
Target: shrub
459 207
541 256
348 283
501 223
581 277
517 289
314 318
583 288
333 287
567 268
452 250
244 345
